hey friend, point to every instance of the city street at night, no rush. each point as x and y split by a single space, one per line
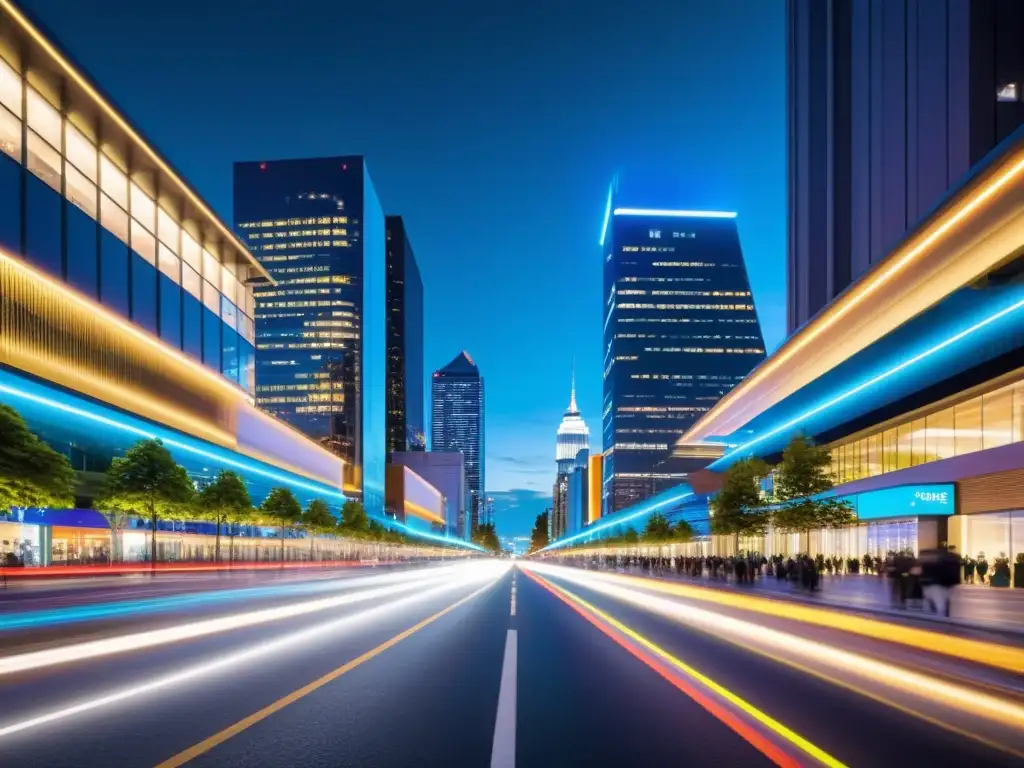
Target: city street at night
534 665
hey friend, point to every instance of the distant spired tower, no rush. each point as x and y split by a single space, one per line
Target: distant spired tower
573 435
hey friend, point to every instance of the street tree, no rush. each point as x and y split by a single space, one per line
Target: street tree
739 508
539 534
487 537
683 532
318 519
630 536
32 474
354 520
283 510
145 481
801 479
226 501
658 529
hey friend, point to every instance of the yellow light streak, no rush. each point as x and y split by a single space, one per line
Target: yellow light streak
749 709
123 124
856 295
978 651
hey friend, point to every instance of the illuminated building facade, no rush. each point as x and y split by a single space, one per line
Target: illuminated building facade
457 424
126 306
578 493
680 331
317 227
913 379
572 436
413 500
890 104
447 473
405 342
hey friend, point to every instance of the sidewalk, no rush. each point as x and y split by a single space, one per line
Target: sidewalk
972 605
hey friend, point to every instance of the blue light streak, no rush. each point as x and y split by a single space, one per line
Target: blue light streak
607 216
618 521
676 213
745 448
220 456
387 521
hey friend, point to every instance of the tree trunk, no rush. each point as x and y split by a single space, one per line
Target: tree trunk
216 546
231 546
152 537
282 546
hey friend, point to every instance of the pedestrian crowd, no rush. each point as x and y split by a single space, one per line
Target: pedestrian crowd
923 581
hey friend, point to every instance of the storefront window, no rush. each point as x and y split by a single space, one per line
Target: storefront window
19 545
997 417
967 422
903 446
939 441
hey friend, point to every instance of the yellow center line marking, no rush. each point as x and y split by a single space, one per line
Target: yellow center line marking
763 718
220 737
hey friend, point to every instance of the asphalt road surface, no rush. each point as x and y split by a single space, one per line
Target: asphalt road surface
480 663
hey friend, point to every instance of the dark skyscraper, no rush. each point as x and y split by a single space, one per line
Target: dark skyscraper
680 331
405 342
317 227
457 423
890 104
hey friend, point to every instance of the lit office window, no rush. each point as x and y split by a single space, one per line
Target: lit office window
81 192
143 243
211 268
211 298
167 229
191 281
191 253
113 182
43 117
10 135
80 152
143 209
44 160
114 218
10 88
997 417
169 264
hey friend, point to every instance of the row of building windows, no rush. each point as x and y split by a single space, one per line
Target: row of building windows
114 243
645 292
302 244
295 222
717 307
325 232
987 421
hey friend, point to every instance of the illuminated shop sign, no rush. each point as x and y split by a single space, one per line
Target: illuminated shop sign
938 499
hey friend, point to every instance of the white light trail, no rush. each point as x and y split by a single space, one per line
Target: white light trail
66 654
198 672
811 652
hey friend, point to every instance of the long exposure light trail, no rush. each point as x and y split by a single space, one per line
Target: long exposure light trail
905 681
472 576
979 651
139 640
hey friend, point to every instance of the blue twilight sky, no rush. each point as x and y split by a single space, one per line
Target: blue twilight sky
494 129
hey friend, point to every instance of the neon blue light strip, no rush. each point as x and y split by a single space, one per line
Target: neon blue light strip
427 535
680 214
126 427
607 217
246 466
618 521
745 447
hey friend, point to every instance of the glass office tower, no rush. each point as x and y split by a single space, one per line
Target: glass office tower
680 331
405 342
457 424
317 227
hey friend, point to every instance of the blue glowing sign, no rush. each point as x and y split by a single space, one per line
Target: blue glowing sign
905 501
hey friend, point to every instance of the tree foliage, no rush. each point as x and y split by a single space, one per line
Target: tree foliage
282 508
631 536
800 479
32 474
487 537
318 518
739 508
658 529
145 481
225 501
354 520
539 534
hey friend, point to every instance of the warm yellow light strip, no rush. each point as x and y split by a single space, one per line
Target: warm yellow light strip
86 86
978 651
422 512
123 325
858 293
